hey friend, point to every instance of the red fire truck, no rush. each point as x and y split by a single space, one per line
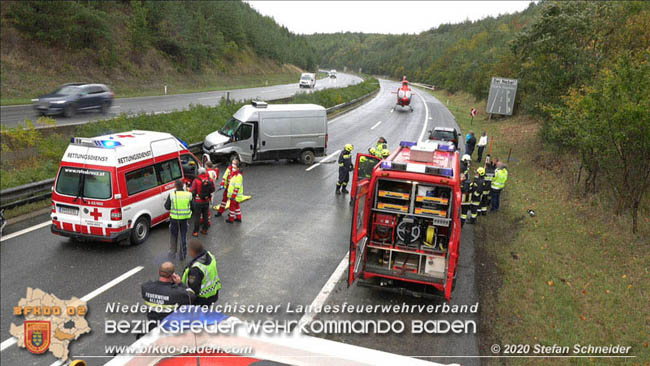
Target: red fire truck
405 233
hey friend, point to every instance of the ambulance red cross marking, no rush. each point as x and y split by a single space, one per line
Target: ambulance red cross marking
96 214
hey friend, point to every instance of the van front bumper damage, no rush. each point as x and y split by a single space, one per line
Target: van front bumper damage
113 237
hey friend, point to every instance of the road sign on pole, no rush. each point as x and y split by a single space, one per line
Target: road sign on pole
501 99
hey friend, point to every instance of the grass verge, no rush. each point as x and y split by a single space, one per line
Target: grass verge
573 274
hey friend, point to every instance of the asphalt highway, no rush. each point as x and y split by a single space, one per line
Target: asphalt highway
294 235
11 116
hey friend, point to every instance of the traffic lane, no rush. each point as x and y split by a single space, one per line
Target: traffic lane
410 343
11 116
238 246
71 259
465 293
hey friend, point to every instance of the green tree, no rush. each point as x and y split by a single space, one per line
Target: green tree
609 124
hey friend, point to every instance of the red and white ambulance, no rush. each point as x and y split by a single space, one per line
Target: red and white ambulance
405 233
113 188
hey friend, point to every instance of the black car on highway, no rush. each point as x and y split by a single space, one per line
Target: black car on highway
75 97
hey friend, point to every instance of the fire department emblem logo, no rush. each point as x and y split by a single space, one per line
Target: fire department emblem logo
37 336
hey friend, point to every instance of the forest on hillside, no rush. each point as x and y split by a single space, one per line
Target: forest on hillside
583 69
192 34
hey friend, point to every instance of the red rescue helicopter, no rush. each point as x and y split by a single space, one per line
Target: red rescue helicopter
404 94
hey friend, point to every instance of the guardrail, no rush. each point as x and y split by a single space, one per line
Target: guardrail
38 191
426 86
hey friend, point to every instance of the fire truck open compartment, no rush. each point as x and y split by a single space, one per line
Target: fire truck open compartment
410 227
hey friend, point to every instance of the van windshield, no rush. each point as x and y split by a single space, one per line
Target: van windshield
306 77
84 183
230 127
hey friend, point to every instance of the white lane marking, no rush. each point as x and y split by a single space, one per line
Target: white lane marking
322 161
8 343
116 106
375 126
25 231
57 363
206 98
426 117
112 283
11 341
319 301
392 110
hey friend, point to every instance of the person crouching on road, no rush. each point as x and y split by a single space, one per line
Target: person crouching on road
179 203
345 166
202 188
201 275
225 180
164 295
236 194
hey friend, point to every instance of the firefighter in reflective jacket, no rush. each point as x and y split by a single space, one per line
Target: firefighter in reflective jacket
235 194
381 145
201 275
376 153
465 162
165 294
485 191
476 188
345 166
225 180
466 201
385 153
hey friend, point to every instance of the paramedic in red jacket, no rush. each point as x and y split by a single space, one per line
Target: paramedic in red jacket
202 188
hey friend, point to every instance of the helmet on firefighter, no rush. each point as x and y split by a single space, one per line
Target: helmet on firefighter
480 171
385 153
349 147
466 157
373 151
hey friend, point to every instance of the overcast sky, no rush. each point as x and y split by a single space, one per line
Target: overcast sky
307 17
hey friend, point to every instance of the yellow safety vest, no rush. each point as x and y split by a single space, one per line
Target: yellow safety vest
500 178
180 205
237 181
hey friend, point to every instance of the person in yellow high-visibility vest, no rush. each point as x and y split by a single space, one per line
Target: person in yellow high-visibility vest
235 194
201 275
225 180
179 204
498 183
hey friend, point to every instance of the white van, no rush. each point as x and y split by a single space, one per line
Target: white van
262 131
307 80
113 188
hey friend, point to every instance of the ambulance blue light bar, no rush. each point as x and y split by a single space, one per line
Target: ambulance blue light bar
407 143
95 143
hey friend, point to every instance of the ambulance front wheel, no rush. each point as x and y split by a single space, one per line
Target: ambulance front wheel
140 231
